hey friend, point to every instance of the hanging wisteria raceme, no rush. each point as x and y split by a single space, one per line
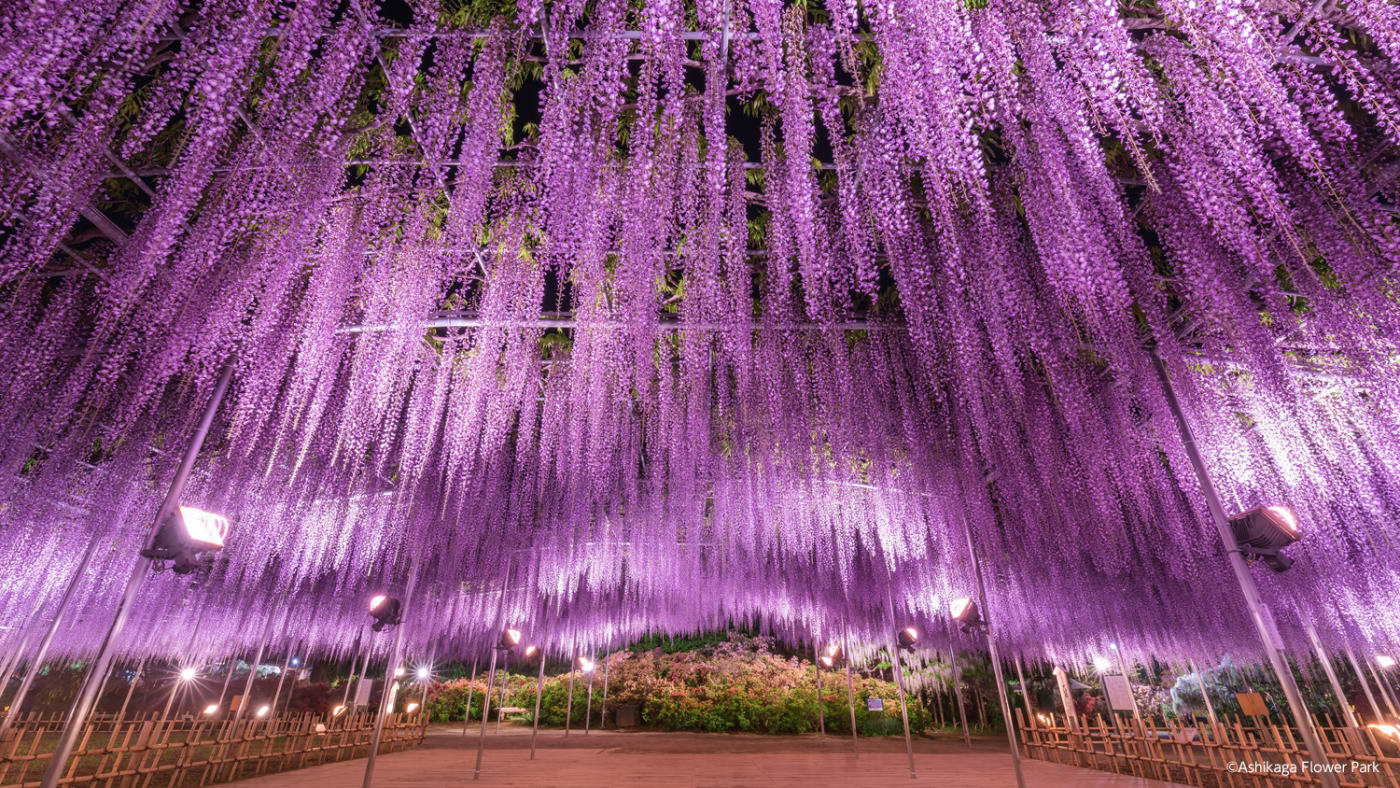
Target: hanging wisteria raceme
662 317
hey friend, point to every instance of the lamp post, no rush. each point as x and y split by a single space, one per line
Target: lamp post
817 666
87 694
850 689
1263 618
491 676
899 685
390 672
603 714
569 709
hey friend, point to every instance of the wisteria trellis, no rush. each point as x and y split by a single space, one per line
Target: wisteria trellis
526 301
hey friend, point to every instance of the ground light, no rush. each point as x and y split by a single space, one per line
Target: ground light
211 709
1263 533
833 657
263 710
410 708
386 611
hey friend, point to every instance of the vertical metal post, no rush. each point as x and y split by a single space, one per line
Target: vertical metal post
603 715
957 693
501 703
850 688
588 708
996 660
539 694
247 697
87 694
38 661
1347 713
1025 690
1385 691
170 701
228 677
899 687
491 675
485 712
569 709
130 688
12 665
1205 693
817 665
471 687
1366 688
390 673
1263 618
281 679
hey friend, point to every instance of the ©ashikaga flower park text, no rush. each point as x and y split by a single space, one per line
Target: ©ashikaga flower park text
961 393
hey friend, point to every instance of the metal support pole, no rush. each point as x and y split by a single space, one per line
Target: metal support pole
390 673
957 693
38 661
539 694
228 677
588 708
291 692
996 661
1366 688
87 694
471 687
850 689
569 709
1025 690
817 665
491 676
130 688
12 665
899 686
1385 691
1262 616
485 713
281 679
170 701
1347 713
501 703
603 715
1205 693
247 696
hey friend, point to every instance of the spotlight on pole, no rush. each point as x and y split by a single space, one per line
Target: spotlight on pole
386 611
1264 532
423 673
908 637
968 615
187 674
586 665
337 711
509 639
1102 665
263 710
211 709
531 654
1386 730
833 657
398 672
185 538
412 707
1385 661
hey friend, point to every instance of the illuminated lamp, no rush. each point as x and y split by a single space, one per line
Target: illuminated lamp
1102 665
833 657
908 637
398 672
1263 533
423 673
211 709
586 665
509 639
531 654
187 674
386 611
263 710
412 707
337 711
1386 730
968 615
1385 661
185 539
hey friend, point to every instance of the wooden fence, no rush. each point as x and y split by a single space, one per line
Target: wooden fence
1221 755
149 752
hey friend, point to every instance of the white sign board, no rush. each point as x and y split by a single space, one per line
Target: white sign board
1120 692
362 691
874 704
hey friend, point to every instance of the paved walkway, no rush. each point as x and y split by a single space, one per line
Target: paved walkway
636 758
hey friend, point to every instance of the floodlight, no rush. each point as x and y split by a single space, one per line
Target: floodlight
966 612
1102 665
531 654
509 639
185 535
1044 720
296 662
187 674
263 710
398 672
412 707
832 658
338 710
1263 533
423 673
1386 730
908 637
211 709
1385 661
586 665
386 611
